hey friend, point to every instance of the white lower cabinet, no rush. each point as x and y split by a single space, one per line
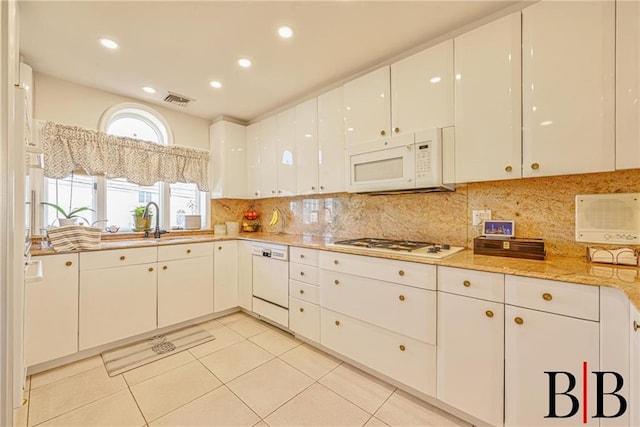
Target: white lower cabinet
245 274
225 275
304 293
51 309
304 319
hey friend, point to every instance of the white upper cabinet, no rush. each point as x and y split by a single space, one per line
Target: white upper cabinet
286 153
268 173
331 142
568 88
367 106
307 147
253 160
487 102
628 85
228 160
422 90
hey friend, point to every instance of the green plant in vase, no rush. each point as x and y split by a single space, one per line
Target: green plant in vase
140 223
70 218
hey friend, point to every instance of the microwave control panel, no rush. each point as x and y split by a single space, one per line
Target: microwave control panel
423 160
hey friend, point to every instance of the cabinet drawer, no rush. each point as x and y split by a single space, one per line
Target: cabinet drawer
117 258
303 273
402 309
404 359
304 319
189 250
471 283
304 291
303 256
568 299
406 273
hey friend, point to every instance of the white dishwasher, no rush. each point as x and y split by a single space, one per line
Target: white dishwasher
271 282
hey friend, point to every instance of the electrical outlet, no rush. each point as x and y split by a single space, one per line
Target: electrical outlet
480 215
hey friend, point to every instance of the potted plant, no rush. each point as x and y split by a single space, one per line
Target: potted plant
140 223
70 217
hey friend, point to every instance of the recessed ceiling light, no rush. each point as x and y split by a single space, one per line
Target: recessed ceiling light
244 63
108 43
285 32
216 84
148 89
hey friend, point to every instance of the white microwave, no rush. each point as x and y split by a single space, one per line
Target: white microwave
404 163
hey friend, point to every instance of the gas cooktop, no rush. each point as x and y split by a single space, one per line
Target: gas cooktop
407 247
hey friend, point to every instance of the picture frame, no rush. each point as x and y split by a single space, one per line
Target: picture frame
498 229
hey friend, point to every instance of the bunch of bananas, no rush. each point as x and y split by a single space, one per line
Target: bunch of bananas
275 217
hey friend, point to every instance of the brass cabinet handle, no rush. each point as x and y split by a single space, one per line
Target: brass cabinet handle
273 191
508 169
122 258
535 166
68 263
322 187
396 130
519 320
301 309
301 256
401 297
466 283
188 251
337 323
255 194
302 291
547 296
302 273
401 273
164 267
636 325
402 347
219 248
335 261
337 282
489 313
150 269
313 188
383 133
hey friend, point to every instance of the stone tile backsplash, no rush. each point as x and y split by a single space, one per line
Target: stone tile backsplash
540 207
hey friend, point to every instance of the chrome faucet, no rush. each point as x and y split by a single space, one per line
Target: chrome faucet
156 232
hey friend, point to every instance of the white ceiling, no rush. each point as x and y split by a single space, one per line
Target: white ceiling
180 46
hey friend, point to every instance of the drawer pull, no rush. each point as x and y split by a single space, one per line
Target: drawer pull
337 323
508 169
466 283
489 313
535 166
301 309
519 320
335 261
401 297
302 273
164 267
396 130
219 248
150 269
122 258
383 133
547 296
337 282
401 272
301 256
302 291
68 263
188 251
402 347
636 325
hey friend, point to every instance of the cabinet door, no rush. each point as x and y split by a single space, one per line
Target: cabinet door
307 147
245 274
286 153
51 310
568 88
185 290
627 85
268 173
487 102
471 356
634 406
116 303
367 107
422 90
535 343
253 160
228 157
331 177
225 276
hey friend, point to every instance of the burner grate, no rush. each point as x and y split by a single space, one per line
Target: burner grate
398 245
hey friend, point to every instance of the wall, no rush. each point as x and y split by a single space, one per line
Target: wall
73 104
540 207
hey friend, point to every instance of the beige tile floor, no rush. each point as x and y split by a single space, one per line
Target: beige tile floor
251 375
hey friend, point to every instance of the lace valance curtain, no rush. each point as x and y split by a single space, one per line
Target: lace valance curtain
68 148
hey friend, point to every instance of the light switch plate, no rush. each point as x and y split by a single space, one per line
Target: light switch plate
480 215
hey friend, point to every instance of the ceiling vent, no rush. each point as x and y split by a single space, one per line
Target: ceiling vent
173 98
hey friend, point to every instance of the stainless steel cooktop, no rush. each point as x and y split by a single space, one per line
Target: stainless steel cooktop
406 247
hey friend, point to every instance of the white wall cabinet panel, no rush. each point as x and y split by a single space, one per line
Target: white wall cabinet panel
568 88
487 102
331 176
245 274
367 107
228 160
422 90
471 356
306 147
268 167
627 85
225 275
286 153
253 160
567 342
51 310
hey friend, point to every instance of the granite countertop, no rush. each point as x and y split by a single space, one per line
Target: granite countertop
565 269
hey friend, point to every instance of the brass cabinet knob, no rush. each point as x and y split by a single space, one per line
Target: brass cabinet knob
122 258
255 194
301 309
547 296
401 273
188 251
336 262
337 282
489 313
466 283
301 256
150 269
273 191
636 325
401 297
383 133
313 188
519 320
508 169
322 187
164 267
279 191
535 166
402 347
302 273
337 323
68 263
396 130
302 291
